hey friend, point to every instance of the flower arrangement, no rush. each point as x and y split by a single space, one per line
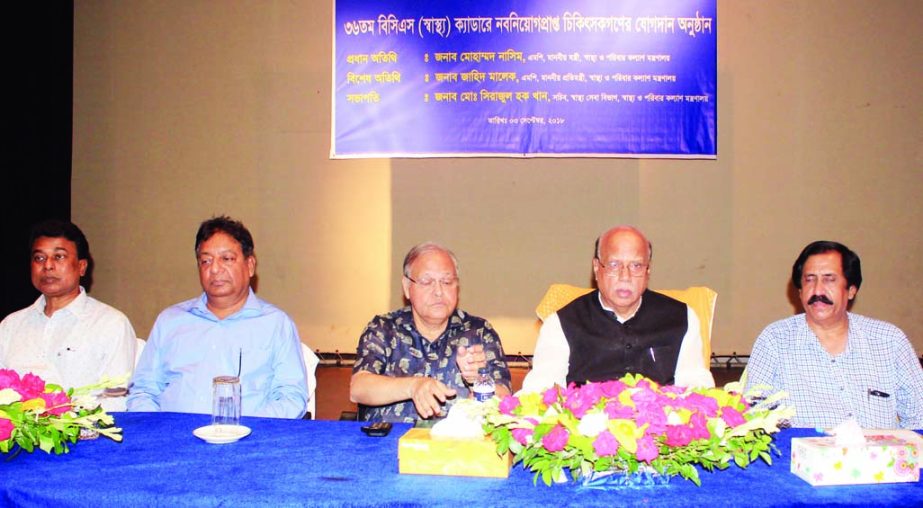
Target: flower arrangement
35 414
633 426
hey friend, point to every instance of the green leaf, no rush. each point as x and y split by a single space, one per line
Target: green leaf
46 443
741 459
546 477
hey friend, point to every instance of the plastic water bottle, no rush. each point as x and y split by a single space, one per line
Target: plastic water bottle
484 387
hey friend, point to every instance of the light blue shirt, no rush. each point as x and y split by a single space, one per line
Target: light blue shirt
877 380
189 346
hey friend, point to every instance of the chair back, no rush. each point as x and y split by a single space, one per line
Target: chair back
310 367
702 300
139 347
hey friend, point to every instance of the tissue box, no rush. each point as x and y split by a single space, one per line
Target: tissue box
884 458
420 453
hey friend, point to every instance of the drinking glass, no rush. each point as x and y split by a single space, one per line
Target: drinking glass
226 400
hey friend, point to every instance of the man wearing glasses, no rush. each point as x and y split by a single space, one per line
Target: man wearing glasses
622 327
413 361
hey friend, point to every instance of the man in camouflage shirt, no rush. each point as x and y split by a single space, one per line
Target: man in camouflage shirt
413 362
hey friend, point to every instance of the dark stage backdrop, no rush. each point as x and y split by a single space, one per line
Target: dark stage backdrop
38 46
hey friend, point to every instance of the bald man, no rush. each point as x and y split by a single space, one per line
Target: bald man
622 327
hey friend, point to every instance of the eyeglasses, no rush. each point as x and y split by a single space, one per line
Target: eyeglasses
614 268
429 284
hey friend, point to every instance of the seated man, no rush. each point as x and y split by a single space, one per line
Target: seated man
227 330
66 337
621 328
836 365
412 361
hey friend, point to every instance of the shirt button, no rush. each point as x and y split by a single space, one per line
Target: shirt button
627 346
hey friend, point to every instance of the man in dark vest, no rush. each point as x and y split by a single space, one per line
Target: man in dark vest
622 327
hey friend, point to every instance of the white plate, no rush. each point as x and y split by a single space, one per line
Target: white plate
221 434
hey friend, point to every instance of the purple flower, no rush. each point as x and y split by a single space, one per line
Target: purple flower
522 435
615 409
732 417
678 435
652 414
57 402
550 396
581 400
645 394
605 444
612 389
677 390
699 402
509 404
699 426
592 391
6 429
8 379
647 449
556 439
31 386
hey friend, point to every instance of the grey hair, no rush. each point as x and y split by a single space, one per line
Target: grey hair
422 248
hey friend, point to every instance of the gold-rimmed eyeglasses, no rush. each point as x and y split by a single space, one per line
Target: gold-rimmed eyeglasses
614 268
429 283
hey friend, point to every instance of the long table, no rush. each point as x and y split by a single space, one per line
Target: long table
332 463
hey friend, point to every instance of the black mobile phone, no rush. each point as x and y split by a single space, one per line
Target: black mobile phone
377 429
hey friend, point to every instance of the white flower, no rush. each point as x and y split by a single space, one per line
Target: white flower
465 421
673 418
720 426
592 424
9 396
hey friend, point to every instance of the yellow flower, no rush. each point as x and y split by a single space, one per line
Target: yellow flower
531 404
31 404
679 416
625 398
627 433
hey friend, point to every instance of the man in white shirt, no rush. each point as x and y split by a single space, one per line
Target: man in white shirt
66 337
621 328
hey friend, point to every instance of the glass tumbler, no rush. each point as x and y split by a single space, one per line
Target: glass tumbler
226 400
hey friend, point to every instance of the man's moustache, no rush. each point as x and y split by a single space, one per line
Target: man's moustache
819 298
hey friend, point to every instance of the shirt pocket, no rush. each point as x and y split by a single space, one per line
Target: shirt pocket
256 366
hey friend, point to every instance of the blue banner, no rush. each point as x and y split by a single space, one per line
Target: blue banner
525 78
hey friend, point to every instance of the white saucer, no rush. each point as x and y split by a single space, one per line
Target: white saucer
221 434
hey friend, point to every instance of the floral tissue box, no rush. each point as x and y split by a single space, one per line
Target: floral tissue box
886 457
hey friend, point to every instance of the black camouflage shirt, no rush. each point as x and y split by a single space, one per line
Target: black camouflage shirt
392 346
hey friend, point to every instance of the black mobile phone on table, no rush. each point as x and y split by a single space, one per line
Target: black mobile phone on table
377 429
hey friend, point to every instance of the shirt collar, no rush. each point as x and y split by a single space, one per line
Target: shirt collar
456 320
599 296
855 336
252 307
75 307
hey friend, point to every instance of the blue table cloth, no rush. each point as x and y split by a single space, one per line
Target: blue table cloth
331 463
